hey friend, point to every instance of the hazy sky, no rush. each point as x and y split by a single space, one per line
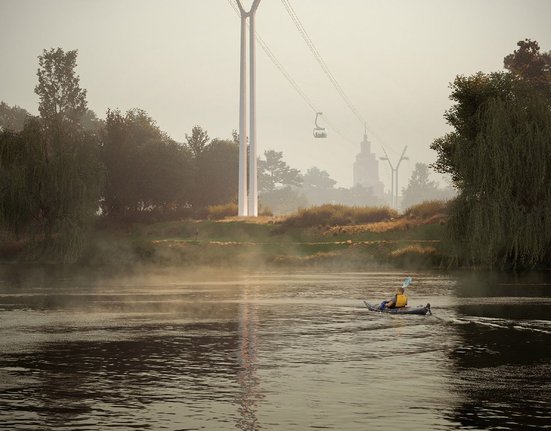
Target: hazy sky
179 61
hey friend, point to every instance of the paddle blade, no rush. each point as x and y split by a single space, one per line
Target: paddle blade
407 282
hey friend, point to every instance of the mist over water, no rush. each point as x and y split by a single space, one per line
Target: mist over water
272 350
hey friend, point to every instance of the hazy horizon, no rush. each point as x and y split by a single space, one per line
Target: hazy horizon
179 61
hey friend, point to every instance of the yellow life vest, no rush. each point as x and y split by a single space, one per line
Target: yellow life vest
401 301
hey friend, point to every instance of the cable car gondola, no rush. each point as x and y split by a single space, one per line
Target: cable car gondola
319 132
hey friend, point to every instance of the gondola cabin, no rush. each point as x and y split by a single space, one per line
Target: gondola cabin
319 132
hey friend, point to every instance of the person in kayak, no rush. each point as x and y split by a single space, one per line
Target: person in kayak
399 300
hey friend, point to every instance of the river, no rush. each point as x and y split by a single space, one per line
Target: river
272 351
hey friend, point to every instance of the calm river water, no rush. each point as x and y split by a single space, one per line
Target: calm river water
273 351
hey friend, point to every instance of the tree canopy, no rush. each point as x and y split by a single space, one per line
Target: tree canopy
12 117
498 156
217 173
146 170
315 178
274 172
58 88
51 172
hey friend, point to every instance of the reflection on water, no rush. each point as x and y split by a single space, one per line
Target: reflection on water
250 394
273 351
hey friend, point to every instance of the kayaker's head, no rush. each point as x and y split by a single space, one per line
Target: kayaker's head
401 290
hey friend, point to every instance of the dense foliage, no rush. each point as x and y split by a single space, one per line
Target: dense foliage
146 170
62 170
12 117
498 157
51 173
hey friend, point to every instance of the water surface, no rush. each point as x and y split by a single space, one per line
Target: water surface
274 351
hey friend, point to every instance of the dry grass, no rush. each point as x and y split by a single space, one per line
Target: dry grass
400 224
338 215
219 212
415 256
413 250
428 210
261 219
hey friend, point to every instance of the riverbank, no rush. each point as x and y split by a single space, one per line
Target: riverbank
268 242
328 236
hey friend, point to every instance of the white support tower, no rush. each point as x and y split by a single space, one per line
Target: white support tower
394 190
247 202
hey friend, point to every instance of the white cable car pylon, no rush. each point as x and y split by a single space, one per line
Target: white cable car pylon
247 202
279 66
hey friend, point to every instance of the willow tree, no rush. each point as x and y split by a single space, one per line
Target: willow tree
51 173
498 156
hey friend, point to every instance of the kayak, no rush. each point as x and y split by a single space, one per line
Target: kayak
422 309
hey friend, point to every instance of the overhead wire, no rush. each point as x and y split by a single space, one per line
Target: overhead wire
298 24
315 52
289 78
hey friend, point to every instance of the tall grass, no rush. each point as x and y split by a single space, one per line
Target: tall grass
329 215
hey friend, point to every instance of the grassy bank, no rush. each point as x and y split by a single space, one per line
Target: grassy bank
335 240
329 236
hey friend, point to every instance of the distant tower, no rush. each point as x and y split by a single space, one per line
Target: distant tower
366 169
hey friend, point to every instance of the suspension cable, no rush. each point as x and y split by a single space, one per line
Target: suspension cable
289 78
298 24
291 12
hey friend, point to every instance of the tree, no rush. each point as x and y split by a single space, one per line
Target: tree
528 63
274 172
197 141
18 151
52 196
498 155
90 122
12 117
217 173
58 88
147 171
318 186
420 188
467 116
51 170
316 179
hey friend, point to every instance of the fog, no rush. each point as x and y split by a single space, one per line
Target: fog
179 60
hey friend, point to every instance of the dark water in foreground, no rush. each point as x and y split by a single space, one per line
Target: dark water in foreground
273 351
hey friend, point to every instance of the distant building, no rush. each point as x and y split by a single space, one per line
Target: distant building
366 170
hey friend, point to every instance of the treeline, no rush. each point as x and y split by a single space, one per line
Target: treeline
60 170
498 156
283 190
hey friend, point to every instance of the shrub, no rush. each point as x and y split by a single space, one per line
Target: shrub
427 209
218 212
